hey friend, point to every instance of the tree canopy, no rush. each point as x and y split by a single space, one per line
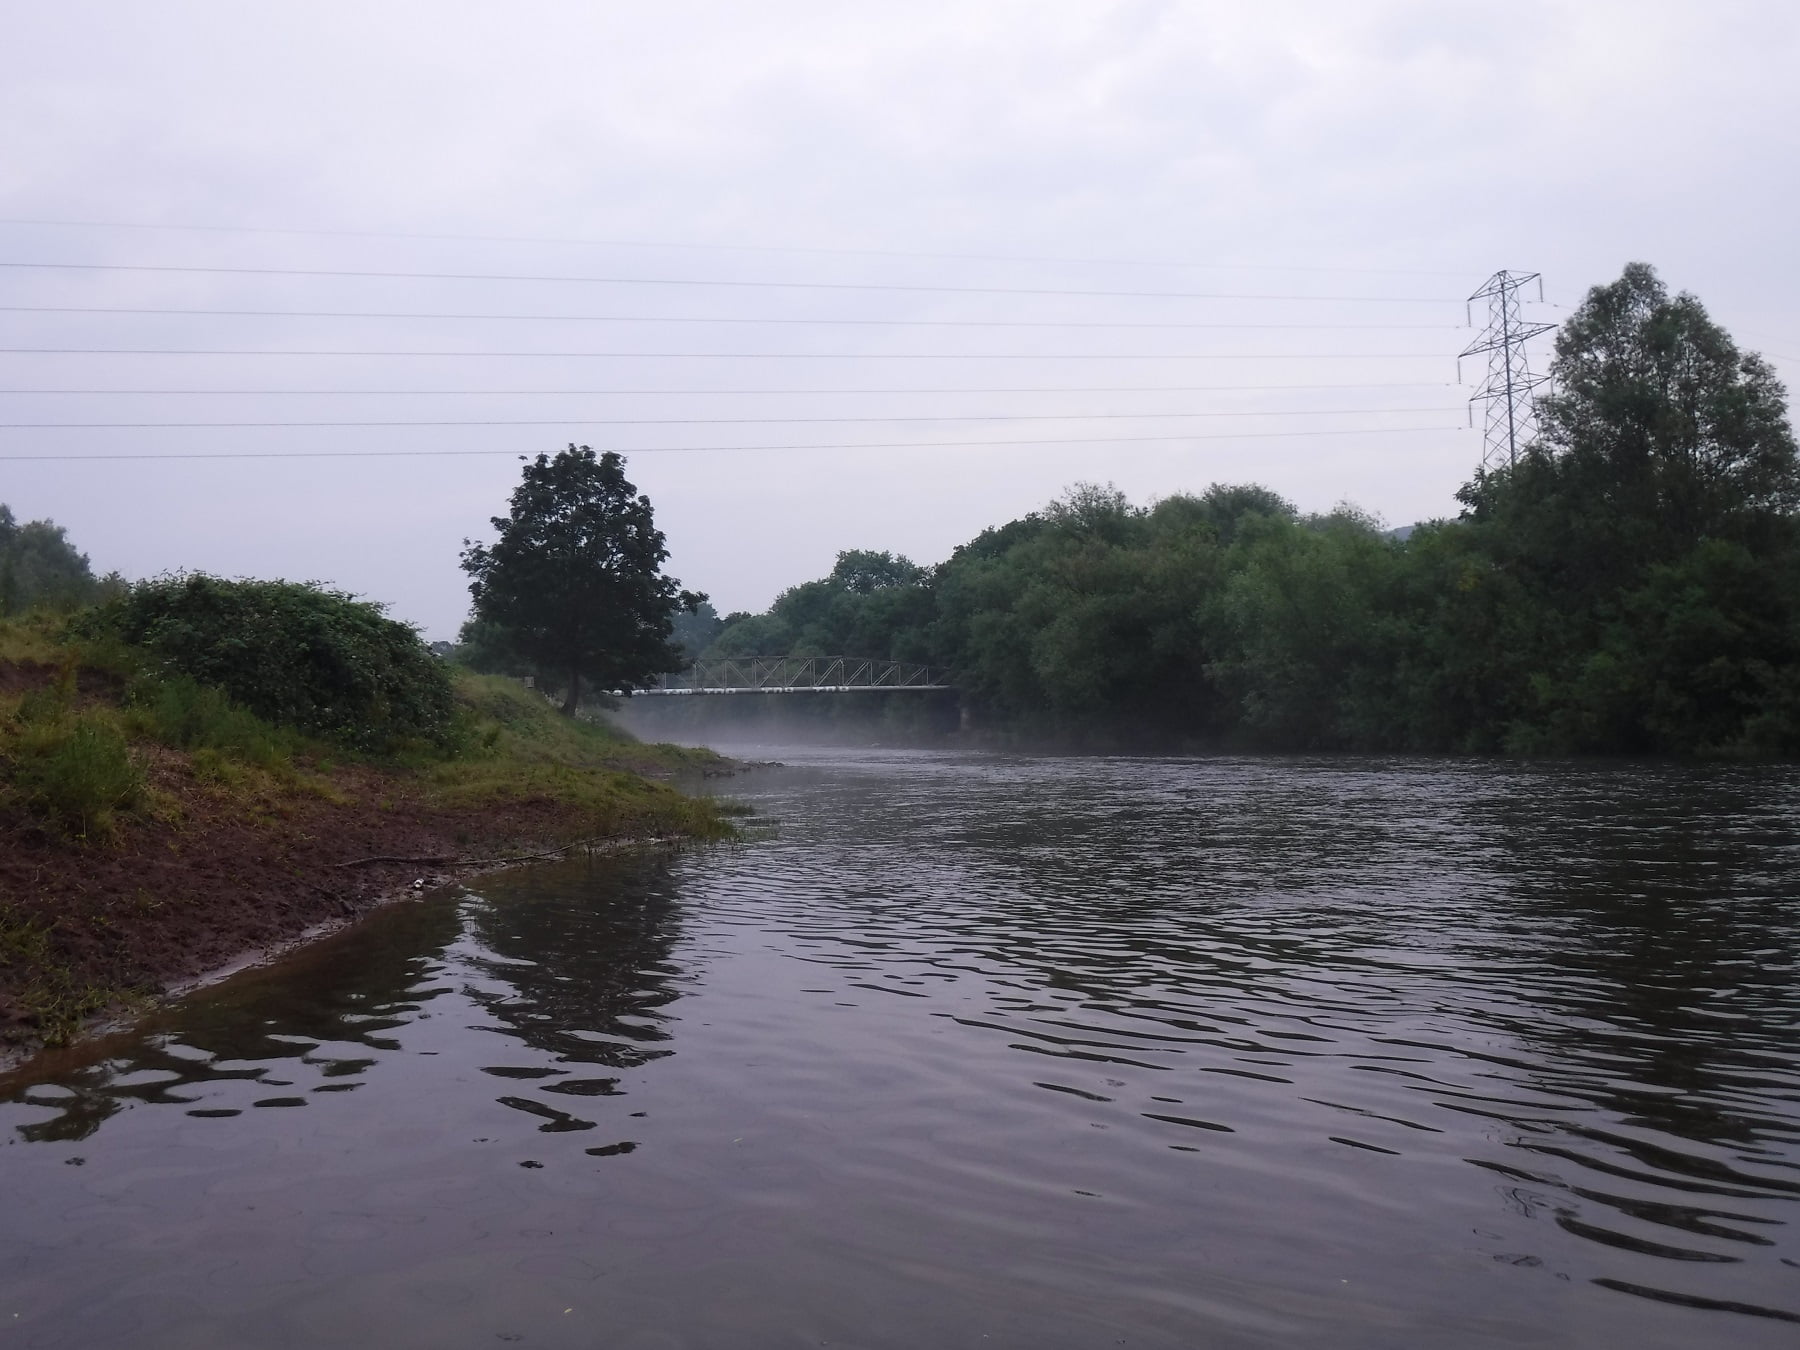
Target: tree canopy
574 581
39 566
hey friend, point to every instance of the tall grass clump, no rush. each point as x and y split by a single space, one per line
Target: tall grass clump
79 775
182 712
294 654
74 767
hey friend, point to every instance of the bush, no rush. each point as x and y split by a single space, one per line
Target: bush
294 654
77 771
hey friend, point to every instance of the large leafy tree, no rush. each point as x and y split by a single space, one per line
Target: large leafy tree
575 578
1661 433
1648 538
1658 403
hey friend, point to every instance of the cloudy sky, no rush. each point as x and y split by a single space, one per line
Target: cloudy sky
287 290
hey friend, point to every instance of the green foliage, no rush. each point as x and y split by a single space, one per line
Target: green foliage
74 767
871 604
293 654
483 645
574 581
694 631
40 568
1299 627
1632 585
515 746
182 712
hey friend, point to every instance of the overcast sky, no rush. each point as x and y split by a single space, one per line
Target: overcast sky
1278 209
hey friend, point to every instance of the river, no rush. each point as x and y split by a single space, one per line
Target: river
982 1051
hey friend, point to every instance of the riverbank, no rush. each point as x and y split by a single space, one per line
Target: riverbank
220 856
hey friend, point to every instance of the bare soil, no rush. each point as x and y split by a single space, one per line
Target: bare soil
213 871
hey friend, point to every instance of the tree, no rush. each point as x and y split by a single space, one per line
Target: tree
695 630
39 566
1667 406
864 571
575 578
1648 538
1661 434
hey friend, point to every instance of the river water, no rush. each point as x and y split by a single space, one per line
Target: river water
965 1051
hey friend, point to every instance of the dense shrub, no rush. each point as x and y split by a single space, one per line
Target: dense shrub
295 654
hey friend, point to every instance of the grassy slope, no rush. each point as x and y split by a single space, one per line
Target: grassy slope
149 825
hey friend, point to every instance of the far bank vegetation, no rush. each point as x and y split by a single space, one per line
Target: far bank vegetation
1630 586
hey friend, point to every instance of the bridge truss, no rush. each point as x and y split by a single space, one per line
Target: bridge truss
798 675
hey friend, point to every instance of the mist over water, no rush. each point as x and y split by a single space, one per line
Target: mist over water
762 725
987 1051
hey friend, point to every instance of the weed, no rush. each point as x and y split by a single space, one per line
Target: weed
35 639
182 712
51 704
209 766
78 771
53 995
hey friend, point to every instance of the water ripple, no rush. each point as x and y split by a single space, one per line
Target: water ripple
1259 1052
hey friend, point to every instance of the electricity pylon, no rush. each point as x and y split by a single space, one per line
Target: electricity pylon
1510 418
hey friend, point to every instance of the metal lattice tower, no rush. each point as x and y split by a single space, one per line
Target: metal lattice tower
1510 416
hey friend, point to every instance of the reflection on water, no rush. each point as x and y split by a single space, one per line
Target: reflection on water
988 1052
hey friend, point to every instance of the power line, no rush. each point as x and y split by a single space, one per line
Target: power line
1734 332
698 282
741 356
689 393
716 421
723 248
657 318
705 449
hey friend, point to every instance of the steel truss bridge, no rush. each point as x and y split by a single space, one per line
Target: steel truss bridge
798 675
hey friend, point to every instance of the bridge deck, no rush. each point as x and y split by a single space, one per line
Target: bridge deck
799 675
792 689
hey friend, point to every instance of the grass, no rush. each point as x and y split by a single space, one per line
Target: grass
76 759
35 640
77 771
69 764
515 746
182 713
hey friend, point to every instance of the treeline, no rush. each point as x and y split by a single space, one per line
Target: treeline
41 569
1631 585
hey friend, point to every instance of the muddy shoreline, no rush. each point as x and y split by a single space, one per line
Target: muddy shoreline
121 1017
92 932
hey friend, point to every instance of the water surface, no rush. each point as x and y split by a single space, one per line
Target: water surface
986 1052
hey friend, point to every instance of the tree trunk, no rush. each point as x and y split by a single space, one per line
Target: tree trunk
568 707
